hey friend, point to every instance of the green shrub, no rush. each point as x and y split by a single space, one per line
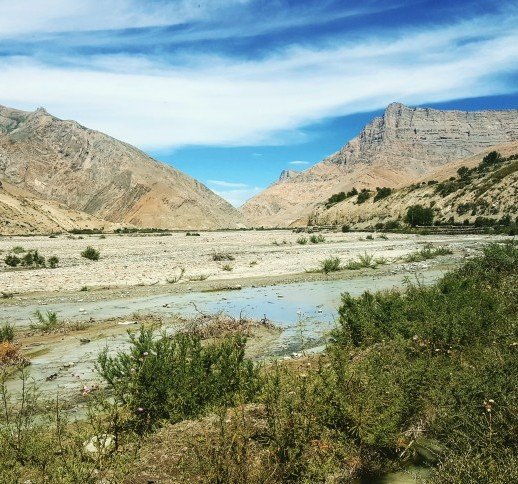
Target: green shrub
219 256
12 260
53 262
427 252
18 250
46 322
363 196
6 333
302 240
381 193
90 253
331 264
176 377
346 228
227 267
419 215
317 239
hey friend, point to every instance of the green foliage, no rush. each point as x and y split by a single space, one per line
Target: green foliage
91 253
317 239
364 260
18 250
12 260
227 267
220 256
33 259
53 262
381 193
427 252
346 228
176 377
492 158
463 172
302 240
332 264
6 333
419 215
46 322
363 196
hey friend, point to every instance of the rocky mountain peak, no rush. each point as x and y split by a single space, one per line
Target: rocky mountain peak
285 174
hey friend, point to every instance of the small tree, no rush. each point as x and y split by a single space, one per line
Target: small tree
492 158
363 196
419 215
382 192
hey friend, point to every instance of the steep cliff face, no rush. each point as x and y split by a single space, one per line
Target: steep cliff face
393 150
94 173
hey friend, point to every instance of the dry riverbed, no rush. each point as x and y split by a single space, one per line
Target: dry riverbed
152 263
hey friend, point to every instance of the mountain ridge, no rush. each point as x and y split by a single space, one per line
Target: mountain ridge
92 172
392 150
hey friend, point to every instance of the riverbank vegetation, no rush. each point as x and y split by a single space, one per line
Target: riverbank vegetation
427 375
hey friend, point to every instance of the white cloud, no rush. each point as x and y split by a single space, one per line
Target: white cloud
224 101
49 16
298 162
221 183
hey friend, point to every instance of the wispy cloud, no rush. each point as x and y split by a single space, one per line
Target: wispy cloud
221 183
298 162
158 102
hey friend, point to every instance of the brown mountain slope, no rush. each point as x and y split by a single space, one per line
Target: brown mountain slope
94 173
492 194
393 150
22 212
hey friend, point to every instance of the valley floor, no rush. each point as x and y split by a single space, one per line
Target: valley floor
154 264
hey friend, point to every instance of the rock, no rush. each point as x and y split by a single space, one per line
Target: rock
84 340
99 444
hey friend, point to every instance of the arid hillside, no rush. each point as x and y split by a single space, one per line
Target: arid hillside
91 172
458 192
23 212
394 150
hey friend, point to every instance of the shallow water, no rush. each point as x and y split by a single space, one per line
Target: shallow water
305 312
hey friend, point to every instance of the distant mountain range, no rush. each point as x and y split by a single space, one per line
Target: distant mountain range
57 175
394 150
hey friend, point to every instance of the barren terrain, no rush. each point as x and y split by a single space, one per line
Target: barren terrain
144 263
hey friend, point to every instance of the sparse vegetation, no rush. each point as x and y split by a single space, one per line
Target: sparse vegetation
427 252
302 240
332 264
227 267
381 193
422 374
6 333
46 322
53 262
363 196
419 215
317 239
364 260
220 256
91 253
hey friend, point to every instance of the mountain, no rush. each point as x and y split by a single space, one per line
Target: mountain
91 172
491 193
23 212
393 150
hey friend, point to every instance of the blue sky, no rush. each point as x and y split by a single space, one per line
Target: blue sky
234 91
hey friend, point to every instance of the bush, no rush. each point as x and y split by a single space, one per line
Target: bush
427 252
33 259
492 158
363 196
176 377
53 262
330 265
346 228
6 333
46 322
382 193
12 260
419 215
302 240
219 256
90 253
317 239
